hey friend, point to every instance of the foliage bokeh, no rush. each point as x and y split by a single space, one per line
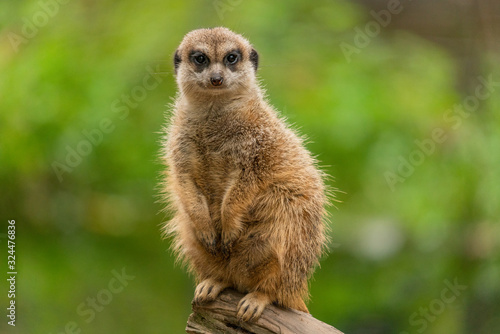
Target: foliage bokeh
392 249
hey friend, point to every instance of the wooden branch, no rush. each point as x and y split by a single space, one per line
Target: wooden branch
220 317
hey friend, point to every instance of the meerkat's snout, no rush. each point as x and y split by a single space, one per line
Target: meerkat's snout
216 79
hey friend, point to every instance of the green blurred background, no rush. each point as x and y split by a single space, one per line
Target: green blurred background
411 221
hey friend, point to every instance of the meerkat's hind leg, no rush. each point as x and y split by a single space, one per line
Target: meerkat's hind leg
208 290
252 305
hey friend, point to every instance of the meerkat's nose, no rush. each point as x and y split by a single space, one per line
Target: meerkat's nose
216 80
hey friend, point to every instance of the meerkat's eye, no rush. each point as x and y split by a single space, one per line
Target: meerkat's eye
200 58
232 58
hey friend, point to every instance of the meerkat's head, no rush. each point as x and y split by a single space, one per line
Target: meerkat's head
214 62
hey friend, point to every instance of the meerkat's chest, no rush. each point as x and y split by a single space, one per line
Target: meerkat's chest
211 155
215 148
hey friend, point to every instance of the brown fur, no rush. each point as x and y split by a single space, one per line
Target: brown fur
247 197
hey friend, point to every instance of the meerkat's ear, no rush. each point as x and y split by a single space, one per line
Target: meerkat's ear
177 60
254 58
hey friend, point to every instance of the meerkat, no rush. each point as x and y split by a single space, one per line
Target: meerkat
247 198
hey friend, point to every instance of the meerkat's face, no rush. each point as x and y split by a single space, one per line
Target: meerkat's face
215 61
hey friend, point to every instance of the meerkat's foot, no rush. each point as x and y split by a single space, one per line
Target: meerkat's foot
208 290
252 305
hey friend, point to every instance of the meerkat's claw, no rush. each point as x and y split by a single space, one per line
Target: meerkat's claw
209 241
225 249
207 291
251 306
211 247
227 240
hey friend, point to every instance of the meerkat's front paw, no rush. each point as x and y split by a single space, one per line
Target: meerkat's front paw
208 239
252 305
208 290
227 240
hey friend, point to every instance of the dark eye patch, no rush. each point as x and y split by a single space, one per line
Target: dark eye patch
232 58
199 59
